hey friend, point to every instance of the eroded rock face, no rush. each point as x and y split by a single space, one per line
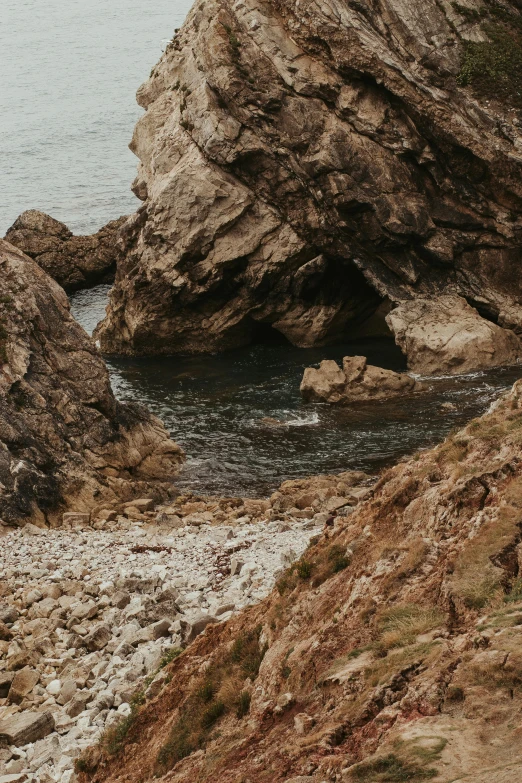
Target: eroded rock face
298 163
64 439
447 336
357 381
73 261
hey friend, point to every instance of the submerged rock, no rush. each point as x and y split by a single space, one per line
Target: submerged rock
301 163
447 336
64 439
357 381
73 261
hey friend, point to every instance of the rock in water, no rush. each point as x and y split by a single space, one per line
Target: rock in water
64 439
447 336
299 163
73 261
357 381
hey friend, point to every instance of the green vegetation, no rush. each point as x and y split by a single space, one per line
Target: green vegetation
493 68
3 343
322 566
216 694
470 14
112 740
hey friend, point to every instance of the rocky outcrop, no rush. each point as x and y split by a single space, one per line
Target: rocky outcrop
300 164
64 439
73 261
356 382
390 650
447 336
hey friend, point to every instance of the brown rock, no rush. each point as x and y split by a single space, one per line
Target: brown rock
301 167
98 639
57 409
73 261
19 730
5 633
23 683
357 381
6 679
446 336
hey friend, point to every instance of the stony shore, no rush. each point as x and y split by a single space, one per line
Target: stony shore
91 612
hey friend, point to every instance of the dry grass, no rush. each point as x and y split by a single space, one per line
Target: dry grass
476 579
400 625
217 693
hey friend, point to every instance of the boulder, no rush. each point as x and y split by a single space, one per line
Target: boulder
357 381
98 639
25 727
73 261
65 441
23 683
446 336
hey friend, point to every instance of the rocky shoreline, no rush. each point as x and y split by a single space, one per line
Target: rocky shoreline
90 613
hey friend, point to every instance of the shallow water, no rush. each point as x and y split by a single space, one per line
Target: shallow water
215 408
70 71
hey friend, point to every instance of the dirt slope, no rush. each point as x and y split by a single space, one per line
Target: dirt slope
390 652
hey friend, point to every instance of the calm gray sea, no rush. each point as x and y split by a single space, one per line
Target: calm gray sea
69 73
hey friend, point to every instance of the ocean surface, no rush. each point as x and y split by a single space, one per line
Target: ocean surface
70 71
240 418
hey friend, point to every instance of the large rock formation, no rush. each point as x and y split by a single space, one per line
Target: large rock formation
301 163
73 261
64 439
391 651
358 381
446 335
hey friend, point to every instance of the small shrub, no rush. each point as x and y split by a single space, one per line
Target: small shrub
212 714
338 559
304 569
170 656
243 704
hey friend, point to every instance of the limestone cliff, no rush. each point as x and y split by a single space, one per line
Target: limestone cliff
64 439
73 261
389 652
300 163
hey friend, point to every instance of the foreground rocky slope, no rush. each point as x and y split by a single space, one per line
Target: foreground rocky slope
73 261
87 611
301 164
389 652
65 442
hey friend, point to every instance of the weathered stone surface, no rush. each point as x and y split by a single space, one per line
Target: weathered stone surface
23 683
64 439
73 261
357 381
98 639
25 727
445 335
302 164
